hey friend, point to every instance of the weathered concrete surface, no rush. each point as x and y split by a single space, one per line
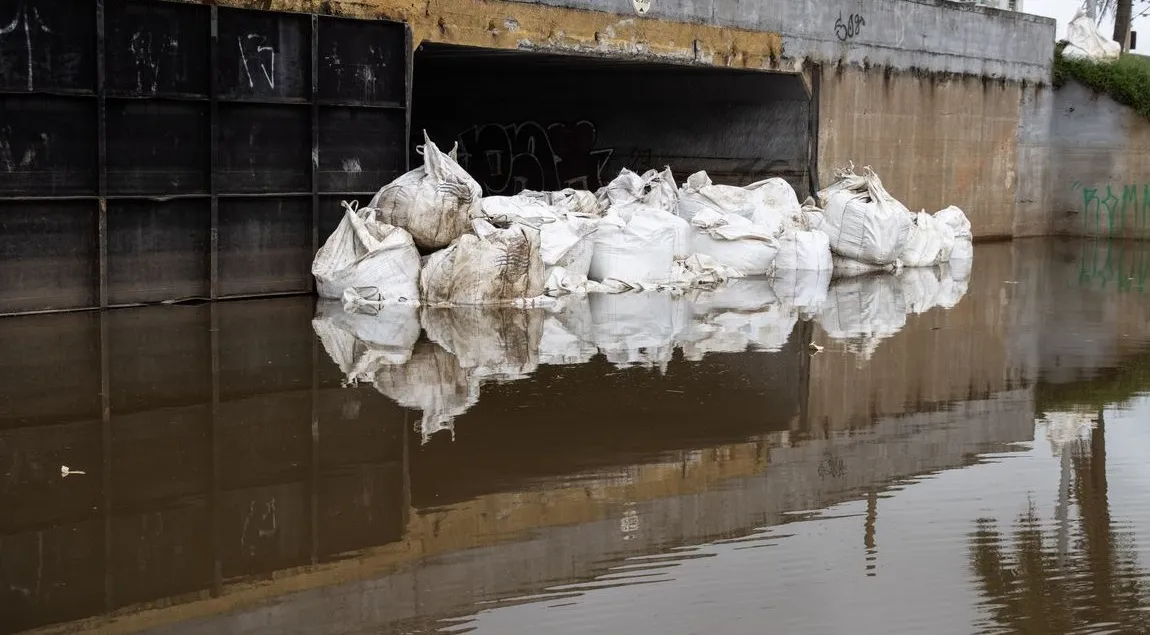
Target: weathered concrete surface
1100 183
935 141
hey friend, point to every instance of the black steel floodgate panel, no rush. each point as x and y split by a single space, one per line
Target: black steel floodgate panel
154 150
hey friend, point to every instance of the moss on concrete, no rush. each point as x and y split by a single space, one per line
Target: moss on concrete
1126 80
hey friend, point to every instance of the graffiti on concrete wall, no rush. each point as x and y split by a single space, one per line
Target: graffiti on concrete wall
847 29
510 158
1116 208
1123 266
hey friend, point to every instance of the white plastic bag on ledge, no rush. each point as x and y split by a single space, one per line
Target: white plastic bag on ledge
864 221
435 203
733 241
930 242
1086 42
365 252
963 248
638 248
491 266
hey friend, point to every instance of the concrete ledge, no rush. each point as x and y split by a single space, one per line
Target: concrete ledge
928 35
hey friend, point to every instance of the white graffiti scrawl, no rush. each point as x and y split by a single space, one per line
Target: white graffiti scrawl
31 22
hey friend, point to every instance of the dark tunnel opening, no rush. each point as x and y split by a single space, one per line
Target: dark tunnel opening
539 121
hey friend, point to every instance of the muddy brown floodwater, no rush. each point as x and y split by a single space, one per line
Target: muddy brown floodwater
967 454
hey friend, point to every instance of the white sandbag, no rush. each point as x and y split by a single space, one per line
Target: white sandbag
660 190
638 248
848 268
802 292
359 344
699 194
491 266
625 189
683 233
637 328
527 209
491 343
435 202
866 223
733 241
1087 42
568 200
863 311
804 250
567 333
777 196
366 252
433 382
845 180
930 242
963 248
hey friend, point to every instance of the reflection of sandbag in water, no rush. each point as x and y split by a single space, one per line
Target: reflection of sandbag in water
435 202
921 287
863 311
433 382
737 316
952 288
491 266
500 343
366 252
567 334
804 292
637 328
360 343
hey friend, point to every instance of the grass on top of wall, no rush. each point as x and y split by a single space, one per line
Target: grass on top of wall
1126 80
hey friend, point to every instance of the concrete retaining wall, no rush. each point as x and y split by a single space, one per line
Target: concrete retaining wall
1100 179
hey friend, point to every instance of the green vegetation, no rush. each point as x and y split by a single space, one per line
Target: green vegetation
1126 80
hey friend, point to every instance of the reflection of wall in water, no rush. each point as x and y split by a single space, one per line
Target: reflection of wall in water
938 356
206 466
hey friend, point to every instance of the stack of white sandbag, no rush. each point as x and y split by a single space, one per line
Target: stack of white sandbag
566 237
871 231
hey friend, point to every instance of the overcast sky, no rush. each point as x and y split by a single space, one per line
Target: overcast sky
1063 11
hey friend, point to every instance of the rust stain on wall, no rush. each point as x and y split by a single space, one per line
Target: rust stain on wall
935 141
516 25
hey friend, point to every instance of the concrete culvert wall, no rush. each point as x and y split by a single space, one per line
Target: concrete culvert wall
545 122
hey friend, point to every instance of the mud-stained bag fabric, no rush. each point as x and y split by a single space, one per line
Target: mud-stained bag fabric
435 202
865 223
364 252
490 266
734 242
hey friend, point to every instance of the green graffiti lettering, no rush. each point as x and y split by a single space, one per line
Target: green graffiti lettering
1129 198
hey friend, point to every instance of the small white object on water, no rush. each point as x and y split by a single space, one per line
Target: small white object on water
65 471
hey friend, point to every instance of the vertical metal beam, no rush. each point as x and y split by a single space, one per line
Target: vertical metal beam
214 501
315 216
106 459
315 397
813 128
213 155
101 158
409 79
